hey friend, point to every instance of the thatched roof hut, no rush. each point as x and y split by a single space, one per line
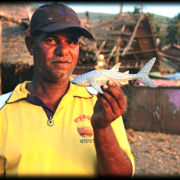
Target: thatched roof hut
16 63
127 38
172 53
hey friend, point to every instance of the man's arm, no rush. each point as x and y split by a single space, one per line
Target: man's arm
112 160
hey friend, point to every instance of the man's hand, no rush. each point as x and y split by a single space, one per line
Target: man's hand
112 162
109 106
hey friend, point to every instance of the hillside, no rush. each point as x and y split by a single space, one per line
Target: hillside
156 19
94 17
97 17
162 21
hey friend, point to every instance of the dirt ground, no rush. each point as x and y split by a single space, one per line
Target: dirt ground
156 154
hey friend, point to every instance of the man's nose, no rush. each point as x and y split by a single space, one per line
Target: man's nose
61 49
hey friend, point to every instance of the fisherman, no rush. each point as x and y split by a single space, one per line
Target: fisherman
87 16
51 127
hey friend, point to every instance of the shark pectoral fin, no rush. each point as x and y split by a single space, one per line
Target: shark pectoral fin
97 87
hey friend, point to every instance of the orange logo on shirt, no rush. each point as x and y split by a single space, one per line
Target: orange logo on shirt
84 127
81 118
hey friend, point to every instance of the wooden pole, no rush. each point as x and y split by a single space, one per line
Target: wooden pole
136 52
12 19
121 9
117 59
97 53
132 37
112 52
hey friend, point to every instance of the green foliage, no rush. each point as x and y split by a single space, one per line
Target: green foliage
173 31
160 24
97 16
137 10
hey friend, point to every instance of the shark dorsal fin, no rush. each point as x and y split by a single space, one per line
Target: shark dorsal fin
116 67
127 72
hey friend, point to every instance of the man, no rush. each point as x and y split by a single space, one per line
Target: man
87 16
51 127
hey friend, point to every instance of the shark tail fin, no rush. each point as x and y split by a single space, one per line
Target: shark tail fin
144 72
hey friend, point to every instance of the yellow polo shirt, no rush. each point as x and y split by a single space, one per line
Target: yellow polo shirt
29 146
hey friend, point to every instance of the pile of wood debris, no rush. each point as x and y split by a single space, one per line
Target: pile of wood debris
127 38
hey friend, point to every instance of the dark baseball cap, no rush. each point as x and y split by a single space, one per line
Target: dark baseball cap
56 17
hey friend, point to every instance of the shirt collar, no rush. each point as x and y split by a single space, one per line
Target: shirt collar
20 91
78 91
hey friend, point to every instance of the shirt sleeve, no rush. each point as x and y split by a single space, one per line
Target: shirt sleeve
2 141
120 132
2 167
2 159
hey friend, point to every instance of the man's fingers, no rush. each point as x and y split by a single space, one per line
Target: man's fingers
107 111
113 84
116 92
110 105
106 98
114 96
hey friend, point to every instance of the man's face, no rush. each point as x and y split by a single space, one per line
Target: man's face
56 55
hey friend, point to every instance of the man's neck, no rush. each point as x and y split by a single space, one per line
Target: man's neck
50 94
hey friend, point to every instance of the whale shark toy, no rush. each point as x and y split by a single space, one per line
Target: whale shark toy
97 78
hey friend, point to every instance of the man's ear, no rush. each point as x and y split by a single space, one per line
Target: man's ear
29 40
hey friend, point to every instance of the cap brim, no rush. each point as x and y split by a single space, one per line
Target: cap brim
61 26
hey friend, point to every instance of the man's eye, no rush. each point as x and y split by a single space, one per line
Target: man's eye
72 42
51 41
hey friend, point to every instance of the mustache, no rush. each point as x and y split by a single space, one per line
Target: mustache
61 60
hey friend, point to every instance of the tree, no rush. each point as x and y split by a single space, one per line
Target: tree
137 10
173 31
157 22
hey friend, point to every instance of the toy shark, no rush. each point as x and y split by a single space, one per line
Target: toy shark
97 78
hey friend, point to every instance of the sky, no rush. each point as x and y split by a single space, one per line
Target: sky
168 9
